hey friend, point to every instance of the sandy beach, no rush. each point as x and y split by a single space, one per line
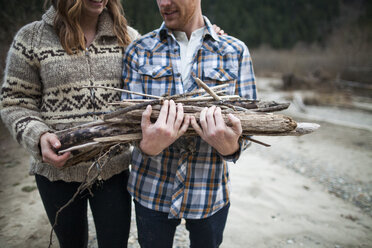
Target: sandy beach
309 191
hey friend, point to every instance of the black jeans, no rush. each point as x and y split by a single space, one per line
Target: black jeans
110 205
155 230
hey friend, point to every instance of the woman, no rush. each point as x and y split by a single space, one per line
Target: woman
77 43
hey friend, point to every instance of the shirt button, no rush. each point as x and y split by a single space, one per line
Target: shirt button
175 50
178 74
153 73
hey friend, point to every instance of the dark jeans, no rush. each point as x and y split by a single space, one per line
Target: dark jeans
110 205
155 230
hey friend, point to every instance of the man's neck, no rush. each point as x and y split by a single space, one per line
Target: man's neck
194 23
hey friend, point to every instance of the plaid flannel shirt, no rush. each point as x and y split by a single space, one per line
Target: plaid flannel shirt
189 179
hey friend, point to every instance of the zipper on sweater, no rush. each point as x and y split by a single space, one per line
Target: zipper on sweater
92 90
92 99
86 51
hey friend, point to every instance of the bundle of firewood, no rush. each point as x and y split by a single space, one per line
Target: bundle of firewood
123 126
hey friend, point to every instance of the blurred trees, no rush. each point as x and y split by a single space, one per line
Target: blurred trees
280 24
277 24
13 15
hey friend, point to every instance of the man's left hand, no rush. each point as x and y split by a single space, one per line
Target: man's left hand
216 133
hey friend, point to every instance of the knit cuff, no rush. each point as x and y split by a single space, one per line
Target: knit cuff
31 138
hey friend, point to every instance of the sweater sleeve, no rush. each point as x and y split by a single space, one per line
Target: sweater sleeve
133 33
21 92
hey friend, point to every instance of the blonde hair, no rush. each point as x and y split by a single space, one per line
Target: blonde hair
67 26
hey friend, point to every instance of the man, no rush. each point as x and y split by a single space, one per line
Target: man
174 177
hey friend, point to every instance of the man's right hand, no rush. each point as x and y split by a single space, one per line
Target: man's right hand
49 143
170 125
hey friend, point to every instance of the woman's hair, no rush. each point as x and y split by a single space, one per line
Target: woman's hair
67 26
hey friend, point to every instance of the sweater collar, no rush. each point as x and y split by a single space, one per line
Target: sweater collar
105 22
49 15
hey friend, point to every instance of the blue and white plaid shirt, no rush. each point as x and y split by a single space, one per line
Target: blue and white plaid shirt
189 179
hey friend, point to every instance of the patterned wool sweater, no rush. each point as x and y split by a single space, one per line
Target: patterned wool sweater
42 90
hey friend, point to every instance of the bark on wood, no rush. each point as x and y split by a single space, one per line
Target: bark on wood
124 125
104 142
252 124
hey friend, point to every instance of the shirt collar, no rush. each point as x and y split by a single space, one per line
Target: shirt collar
164 31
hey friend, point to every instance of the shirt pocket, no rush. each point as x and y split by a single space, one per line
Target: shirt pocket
156 79
217 76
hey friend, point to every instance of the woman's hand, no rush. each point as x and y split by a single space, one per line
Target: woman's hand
49 143
218 30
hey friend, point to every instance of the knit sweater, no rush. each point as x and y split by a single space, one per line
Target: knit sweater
42 90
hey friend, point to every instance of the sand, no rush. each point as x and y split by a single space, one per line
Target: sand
273 206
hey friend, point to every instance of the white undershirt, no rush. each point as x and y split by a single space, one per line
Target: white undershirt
188 49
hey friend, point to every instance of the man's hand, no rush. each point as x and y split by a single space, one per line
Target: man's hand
48 142
216 133
170 125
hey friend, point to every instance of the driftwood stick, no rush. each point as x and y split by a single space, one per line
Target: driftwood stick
255 122
120 138
78 147
207 89
252 105
305 128
86 184
270 106
124 126
100 143
208 98
138 137
199 91
255 141
130 108
158 101
252 123
204 98
122 90
220 92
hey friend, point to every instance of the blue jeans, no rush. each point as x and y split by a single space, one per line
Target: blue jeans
156 230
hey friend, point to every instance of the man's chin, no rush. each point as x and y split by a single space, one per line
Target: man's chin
172 24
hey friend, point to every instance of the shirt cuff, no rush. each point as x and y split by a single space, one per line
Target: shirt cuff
143 154
236 155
